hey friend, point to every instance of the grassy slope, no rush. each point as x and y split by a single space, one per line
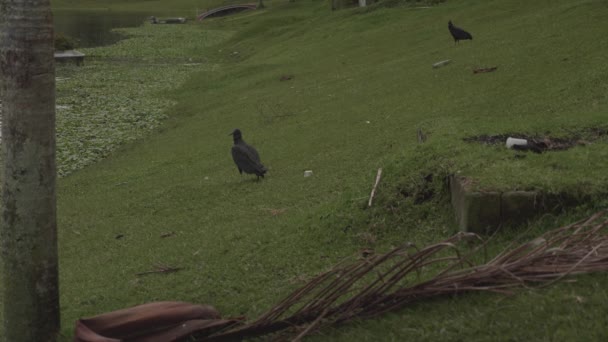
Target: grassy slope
349 68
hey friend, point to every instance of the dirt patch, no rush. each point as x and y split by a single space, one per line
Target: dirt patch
422 192
597 132
546 143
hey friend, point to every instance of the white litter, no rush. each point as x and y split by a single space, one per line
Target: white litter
515 141
442 63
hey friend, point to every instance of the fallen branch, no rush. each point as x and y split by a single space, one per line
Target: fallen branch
310 327
482 70
378 284
160 269
371 196
372 285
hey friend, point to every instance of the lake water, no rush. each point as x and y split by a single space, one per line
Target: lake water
93 28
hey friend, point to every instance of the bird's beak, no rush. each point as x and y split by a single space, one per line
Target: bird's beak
231 133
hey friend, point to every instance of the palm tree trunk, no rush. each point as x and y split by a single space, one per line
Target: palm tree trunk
28 235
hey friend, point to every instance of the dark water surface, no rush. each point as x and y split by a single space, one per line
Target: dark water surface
93 28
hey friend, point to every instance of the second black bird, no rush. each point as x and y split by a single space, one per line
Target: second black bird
458 33
245 156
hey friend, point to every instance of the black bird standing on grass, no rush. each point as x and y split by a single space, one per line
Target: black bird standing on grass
458 33
245 156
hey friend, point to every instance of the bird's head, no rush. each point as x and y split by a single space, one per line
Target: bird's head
236 134
450 24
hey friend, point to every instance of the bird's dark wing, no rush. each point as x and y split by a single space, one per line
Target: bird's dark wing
239 156
245 160
459 33
462 34
254 153
256 156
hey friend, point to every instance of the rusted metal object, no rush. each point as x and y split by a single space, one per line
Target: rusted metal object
152 322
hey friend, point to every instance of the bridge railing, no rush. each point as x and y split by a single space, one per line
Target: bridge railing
225 8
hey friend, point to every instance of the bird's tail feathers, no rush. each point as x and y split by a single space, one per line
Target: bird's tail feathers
261 170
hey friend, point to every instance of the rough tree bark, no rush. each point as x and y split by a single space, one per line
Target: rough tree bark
28 234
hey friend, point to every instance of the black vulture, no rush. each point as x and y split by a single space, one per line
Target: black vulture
458 33
245 156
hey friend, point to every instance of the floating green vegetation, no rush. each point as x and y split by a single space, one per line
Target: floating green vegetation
117 97
163 42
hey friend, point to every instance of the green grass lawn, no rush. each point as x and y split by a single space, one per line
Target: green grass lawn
362 84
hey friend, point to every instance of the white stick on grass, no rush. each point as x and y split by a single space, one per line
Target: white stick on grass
371 196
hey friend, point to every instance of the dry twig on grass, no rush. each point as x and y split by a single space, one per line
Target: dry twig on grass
421 136
160 269
371 196
483 70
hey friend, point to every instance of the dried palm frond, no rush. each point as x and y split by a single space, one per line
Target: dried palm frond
380 283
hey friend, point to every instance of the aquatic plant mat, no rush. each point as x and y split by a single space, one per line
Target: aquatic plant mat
373 284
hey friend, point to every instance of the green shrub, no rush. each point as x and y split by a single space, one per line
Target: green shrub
63 42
